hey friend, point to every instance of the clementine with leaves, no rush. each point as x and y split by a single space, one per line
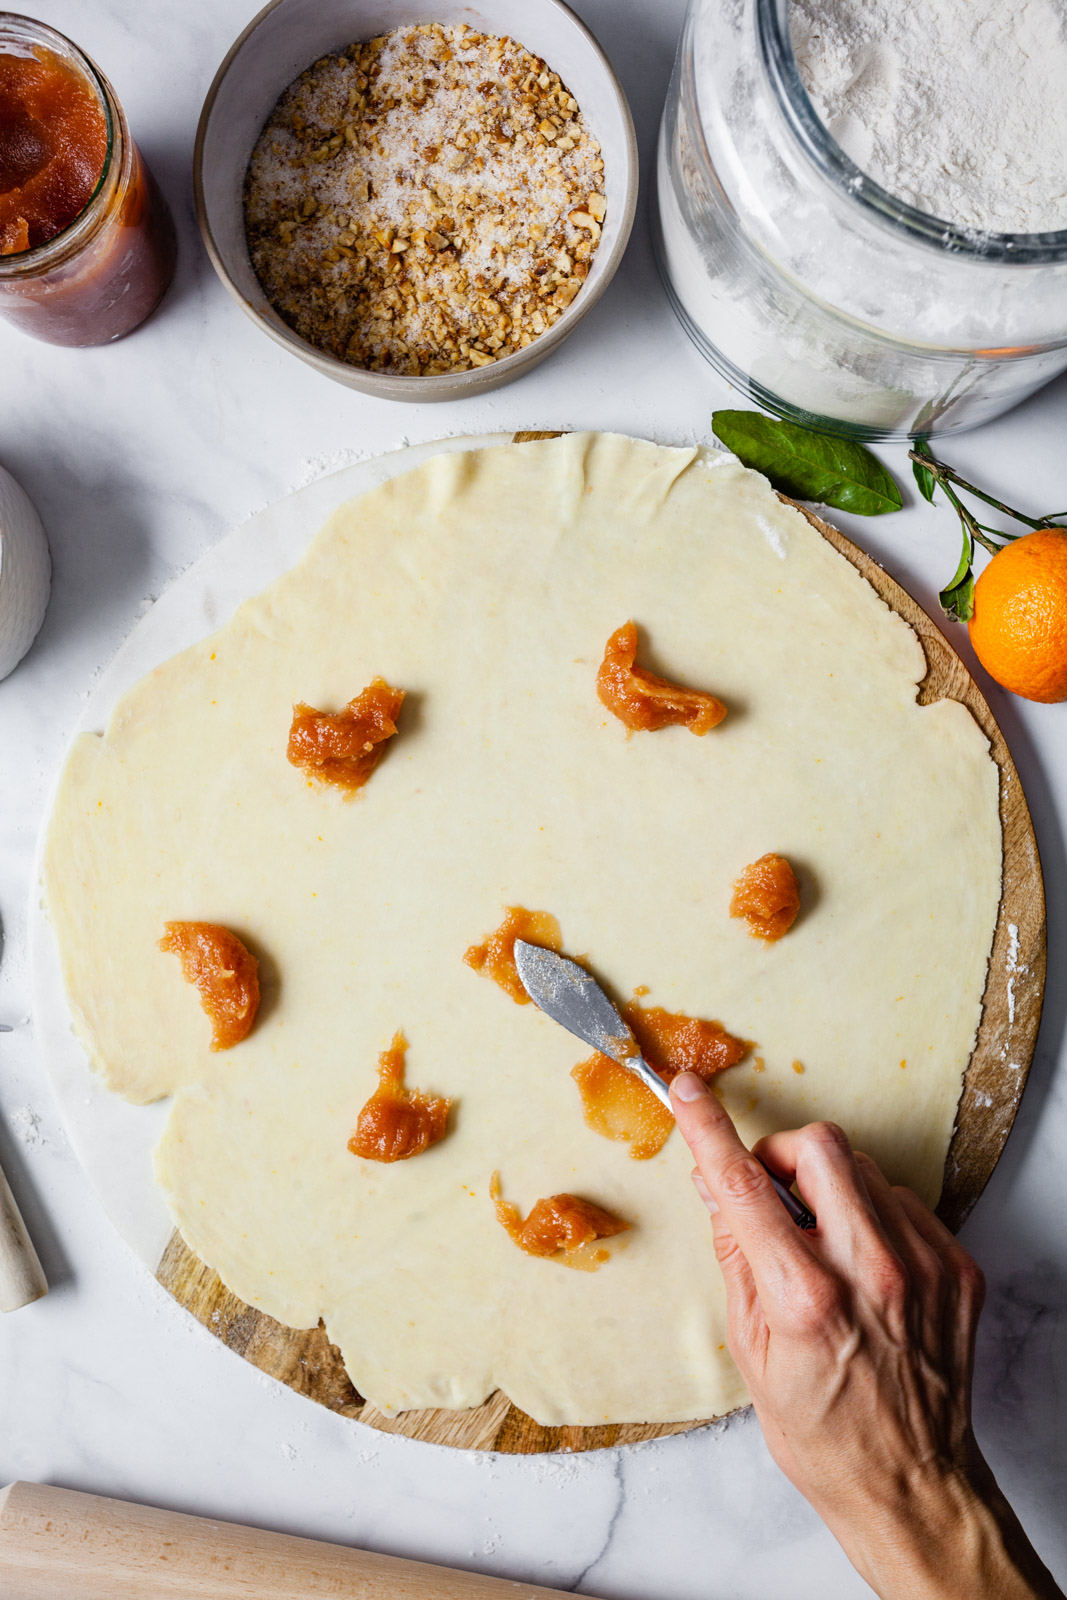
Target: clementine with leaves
1019 626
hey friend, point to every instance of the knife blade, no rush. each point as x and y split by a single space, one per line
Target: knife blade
569 995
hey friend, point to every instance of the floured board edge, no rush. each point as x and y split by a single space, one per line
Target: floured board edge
992 1088
310 1364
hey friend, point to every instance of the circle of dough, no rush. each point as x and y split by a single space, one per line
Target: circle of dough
485 584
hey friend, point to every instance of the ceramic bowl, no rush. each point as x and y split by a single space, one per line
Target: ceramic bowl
288 36
25 573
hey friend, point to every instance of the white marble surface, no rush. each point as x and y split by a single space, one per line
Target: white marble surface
139 457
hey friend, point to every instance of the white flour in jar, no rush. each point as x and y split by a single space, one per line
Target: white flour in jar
958 107
801 291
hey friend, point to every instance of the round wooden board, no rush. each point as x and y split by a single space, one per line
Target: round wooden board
992 1088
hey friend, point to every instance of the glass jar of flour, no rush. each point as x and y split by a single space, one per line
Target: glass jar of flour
808 286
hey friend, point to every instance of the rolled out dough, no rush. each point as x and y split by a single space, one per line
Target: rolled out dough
486 584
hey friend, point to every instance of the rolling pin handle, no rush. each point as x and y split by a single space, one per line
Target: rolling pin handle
58 1544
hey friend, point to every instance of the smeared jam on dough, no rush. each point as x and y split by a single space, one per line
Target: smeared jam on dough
396 1122
643 702
767 896
618 1105
496 956
563 1222
344 747
224 972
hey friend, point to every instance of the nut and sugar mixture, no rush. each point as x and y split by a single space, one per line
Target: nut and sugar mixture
426 202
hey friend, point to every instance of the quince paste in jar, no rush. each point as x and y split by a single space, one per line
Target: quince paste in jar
53 143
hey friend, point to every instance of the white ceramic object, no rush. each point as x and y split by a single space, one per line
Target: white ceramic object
288 36
22 1279
25 573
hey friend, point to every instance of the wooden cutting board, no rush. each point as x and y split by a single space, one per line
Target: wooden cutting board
992 1088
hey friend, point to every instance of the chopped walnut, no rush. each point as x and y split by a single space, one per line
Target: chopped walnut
426 202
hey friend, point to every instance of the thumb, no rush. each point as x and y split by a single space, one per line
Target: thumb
694 1107
742 1300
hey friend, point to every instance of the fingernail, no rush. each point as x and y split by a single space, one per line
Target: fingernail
687 1086
705 1194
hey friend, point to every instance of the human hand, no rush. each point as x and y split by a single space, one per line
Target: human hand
856 1341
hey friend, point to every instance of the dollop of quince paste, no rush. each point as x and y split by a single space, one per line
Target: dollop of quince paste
616 1104
641 701
562 1222
767 896
396 1122
225 973
344 747
496 956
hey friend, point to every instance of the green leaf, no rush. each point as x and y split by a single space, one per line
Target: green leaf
809 466
923 476
957 598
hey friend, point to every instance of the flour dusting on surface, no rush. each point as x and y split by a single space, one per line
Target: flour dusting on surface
27 1125
772 536
1013 948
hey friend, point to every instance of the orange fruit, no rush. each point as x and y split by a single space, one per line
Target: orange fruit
1019 627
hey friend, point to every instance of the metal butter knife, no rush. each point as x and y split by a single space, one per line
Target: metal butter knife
565 992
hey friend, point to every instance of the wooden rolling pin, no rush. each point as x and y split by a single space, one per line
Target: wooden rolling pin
56 1544
21 1276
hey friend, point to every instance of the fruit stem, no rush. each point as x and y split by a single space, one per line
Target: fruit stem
970 523
947 475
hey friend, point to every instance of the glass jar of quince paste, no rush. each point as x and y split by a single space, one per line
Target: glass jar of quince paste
808 286
87 245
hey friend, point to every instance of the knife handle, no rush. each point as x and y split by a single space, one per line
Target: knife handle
798 1211
801 1215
